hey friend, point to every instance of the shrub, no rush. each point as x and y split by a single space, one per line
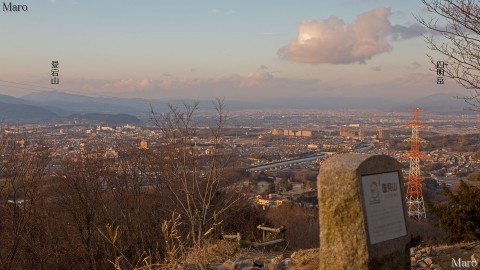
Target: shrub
460 216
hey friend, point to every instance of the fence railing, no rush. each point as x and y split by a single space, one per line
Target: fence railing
276 231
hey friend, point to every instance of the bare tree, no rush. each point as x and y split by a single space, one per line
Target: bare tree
458 23
84 180
131 207
22 168
193 175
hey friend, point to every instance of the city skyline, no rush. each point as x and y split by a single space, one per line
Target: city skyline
234 50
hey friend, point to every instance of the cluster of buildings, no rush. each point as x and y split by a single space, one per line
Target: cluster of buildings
256 145
355 131
293 133
351 130
270 200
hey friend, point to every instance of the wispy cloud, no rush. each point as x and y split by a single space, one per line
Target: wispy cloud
407 32
220 12
258 84
129 85
414 65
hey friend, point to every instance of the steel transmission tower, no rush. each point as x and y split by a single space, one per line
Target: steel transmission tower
414 195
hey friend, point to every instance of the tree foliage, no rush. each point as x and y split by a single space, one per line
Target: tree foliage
460 216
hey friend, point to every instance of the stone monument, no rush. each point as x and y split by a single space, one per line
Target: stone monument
361 199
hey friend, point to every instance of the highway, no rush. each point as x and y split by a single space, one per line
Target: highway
285 163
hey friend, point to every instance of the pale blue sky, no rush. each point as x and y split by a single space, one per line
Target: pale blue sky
207 49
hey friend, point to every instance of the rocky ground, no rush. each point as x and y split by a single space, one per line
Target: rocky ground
438 258
422 258
301 260
441 257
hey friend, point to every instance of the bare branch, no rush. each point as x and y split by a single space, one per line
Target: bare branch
461 41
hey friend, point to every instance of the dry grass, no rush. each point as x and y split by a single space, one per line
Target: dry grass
214 252
217 252
207 256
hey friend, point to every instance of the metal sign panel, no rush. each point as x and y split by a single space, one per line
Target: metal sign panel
383 207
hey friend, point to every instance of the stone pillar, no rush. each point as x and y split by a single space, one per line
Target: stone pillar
361 199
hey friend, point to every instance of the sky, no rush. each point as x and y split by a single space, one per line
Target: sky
236 50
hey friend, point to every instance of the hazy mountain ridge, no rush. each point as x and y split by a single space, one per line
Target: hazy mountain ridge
24 113
441 103
86 104
13 100
55 105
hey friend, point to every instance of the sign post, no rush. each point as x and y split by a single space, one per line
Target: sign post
362 213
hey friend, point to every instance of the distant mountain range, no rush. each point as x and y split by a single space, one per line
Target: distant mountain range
13 100
10 112
54 105
85 104
442 103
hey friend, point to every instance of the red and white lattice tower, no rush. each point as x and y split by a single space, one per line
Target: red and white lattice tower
414 195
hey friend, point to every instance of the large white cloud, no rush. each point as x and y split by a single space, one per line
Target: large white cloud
334 41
